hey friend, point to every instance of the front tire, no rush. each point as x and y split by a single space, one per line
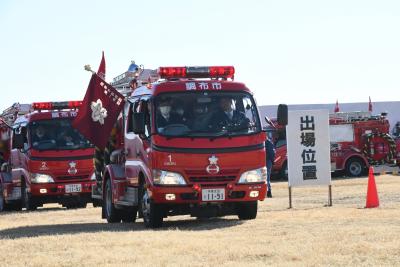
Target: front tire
152 213
355 167
29 202
112 214
247 210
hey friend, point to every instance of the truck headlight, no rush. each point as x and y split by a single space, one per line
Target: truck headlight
93 177
254 176
167 178
40 178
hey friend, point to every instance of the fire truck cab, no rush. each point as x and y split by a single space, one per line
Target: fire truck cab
49 161
191 143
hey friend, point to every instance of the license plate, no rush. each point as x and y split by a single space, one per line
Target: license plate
73 188
213 194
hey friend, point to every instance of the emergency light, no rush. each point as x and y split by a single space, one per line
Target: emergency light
56 105
197 72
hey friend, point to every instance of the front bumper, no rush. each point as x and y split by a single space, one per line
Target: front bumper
193 194
59 189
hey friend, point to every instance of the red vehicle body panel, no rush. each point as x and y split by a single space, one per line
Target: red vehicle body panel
187 156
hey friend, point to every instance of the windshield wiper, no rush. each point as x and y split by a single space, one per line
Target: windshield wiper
230 132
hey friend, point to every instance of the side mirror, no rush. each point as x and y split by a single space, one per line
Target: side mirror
282 114
18 141
138 123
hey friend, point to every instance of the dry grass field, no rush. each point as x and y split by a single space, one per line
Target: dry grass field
310 234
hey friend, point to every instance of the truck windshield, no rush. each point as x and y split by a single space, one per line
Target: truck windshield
56 134
206 114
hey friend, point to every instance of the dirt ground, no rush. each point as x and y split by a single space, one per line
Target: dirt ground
310 234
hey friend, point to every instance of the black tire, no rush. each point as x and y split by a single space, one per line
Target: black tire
128 215
283 173
112 214
247 210
355 167
152 213
29 202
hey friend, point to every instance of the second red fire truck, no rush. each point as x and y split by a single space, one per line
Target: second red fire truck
47 161
191 143
358 140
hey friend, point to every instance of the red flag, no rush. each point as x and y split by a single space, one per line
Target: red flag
370 105
99 112
102 68
337 106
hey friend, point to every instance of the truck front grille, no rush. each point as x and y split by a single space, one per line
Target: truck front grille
66 178
212 179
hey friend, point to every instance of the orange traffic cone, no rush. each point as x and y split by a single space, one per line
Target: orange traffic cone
372 193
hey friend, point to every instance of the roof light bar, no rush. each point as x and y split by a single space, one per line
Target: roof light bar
172 72
197 72
56 105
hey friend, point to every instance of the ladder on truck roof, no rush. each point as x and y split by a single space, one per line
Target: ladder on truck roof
353 116
123 82
9 115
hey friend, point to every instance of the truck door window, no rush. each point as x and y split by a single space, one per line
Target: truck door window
20 130
143 106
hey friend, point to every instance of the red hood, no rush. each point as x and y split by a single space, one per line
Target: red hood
221 142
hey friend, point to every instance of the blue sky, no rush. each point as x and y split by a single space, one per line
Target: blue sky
291 52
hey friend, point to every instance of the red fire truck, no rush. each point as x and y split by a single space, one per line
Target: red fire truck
191 143
47 161
358 140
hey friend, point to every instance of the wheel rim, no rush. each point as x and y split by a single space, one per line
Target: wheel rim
109 200
355 168
146 205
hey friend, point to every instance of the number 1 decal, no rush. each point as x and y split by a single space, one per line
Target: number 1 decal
169 162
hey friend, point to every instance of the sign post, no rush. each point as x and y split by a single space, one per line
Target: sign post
308 145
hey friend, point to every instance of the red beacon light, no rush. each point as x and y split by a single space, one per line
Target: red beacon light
197 72
56 105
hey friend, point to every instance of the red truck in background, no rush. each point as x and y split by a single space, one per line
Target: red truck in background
173 157
47 161
358 140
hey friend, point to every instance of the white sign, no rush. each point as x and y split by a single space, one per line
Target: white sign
309 159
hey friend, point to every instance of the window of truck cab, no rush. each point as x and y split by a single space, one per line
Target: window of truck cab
206 114
140 105
55 134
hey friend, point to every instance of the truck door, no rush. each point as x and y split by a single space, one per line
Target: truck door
17 153
130 146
